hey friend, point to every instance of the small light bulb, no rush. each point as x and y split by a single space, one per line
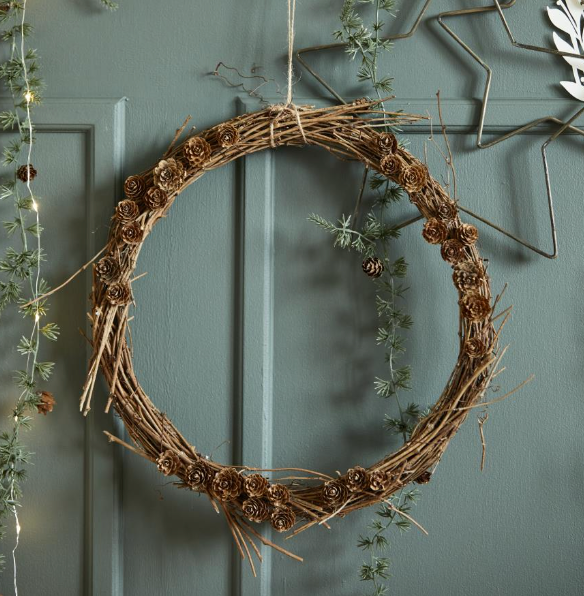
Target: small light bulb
29 96
35 206
37 317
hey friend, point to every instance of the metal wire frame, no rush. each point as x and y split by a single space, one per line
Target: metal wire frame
499 7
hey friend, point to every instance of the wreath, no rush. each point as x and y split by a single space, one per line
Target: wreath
244 493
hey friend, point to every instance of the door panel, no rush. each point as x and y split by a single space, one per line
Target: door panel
256 337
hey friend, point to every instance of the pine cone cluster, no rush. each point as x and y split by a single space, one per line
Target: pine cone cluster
127 211
169 174
278 494
387 143
335 493
475 347
357 479
26 173
468 276
45 402
391 165
227 135
475 307
107 269
119 294
435 231
413 178
453 251
155 198
198 476
256 510
228 484
373 267
168 463
197 151
283 519
256 485
132 233
134 187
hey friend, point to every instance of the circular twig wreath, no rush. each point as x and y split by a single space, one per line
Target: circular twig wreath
244 494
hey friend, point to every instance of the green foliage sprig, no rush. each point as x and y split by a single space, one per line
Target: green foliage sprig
21 283
372 239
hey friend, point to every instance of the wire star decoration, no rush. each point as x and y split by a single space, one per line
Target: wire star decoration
567 126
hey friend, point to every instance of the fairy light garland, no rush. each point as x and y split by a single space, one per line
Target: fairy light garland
22 282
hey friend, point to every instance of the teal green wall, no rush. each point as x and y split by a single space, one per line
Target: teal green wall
257 338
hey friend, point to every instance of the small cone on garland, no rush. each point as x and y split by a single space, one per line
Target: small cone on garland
26 173
46 402
373 266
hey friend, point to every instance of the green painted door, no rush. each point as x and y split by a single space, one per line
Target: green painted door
258 338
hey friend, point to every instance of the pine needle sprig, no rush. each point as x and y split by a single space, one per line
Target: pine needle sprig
372 238
20 275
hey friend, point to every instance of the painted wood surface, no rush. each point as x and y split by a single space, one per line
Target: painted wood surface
257 338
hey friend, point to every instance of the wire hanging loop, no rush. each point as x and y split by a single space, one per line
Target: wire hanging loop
281 111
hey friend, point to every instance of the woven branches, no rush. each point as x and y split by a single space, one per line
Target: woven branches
245 494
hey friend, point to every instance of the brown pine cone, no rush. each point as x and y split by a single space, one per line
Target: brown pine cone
26 173
283 519
227 135
378 481
228 484
169 174
168 463
197 151
134 187
256 485
475 307
278 494
468 276
435 231
155 198
132 233
387 143
373 267
390 165
357 479
45 403
127 211
413 178
453 251
199 476
107 269
335 493
467 234
119 294
256 510
423 478
446 211
475 348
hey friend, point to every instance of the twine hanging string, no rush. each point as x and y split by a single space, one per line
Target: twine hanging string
280 110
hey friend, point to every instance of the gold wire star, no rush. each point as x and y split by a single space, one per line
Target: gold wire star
564 126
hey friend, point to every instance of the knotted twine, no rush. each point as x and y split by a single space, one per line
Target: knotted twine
279 110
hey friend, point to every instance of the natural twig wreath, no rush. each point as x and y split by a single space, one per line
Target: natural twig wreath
309 498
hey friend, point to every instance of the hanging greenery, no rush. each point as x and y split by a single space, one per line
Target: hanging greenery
372 239
20 267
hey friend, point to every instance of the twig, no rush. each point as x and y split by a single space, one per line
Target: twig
179 132
482 419
450 160
81 270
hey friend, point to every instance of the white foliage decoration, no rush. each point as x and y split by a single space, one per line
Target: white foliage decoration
569 19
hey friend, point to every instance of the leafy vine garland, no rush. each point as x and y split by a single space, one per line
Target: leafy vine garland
243 493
